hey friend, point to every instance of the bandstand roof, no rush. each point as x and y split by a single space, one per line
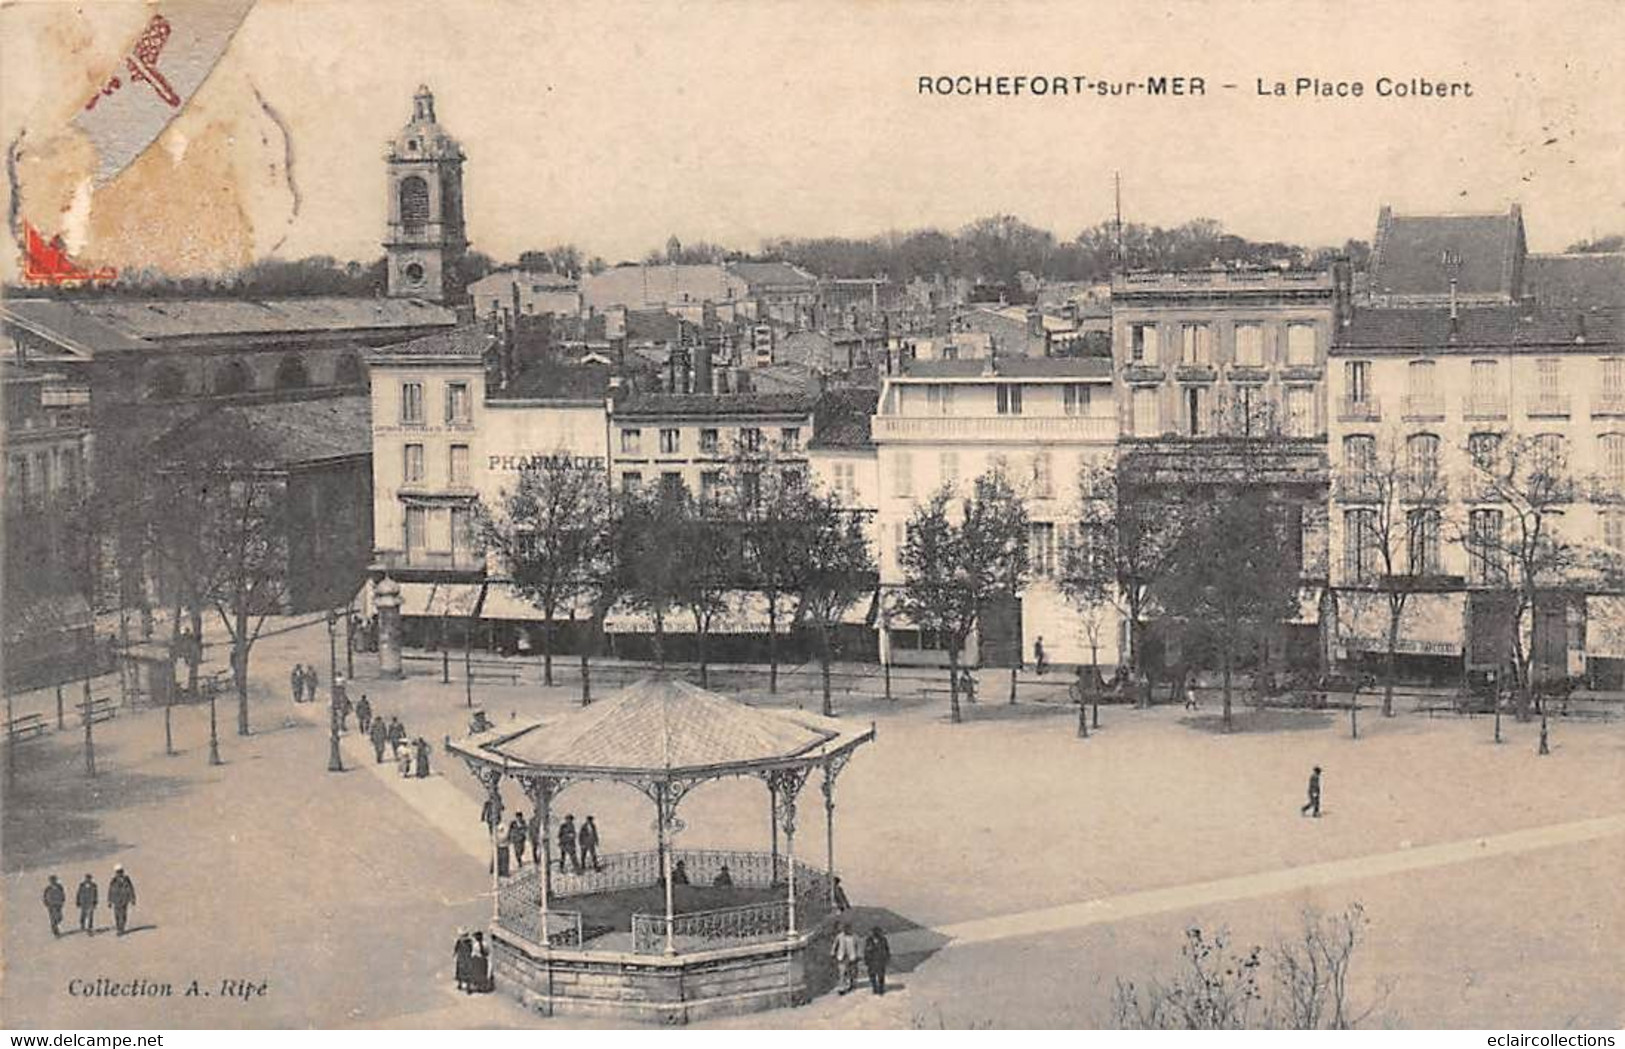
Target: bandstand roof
658 728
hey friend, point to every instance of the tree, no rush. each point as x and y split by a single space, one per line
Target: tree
837 571
958 556
548 531
769 506
652 523
1226 582
251 582
1516 545
1090 575
1139 531
705 542
1393 490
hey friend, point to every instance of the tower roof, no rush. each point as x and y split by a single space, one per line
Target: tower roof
423 138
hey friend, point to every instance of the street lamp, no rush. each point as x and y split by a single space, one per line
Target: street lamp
335 761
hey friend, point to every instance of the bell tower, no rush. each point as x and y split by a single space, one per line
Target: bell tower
426 238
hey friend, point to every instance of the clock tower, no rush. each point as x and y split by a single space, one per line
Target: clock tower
426 237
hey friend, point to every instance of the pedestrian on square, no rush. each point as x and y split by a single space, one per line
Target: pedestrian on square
396 735
567 844
463 951
403 762
967 685
589 844
839 894
845 952
296 681
313 681
121 894
876 957
1312 806
535 829
56 897
86 898
341 699
1191 702
379 734
518 835
363 715
479 965
421 751
1039 660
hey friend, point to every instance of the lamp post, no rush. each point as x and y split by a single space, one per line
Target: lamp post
335 760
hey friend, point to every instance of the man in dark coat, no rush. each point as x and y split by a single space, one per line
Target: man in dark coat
567 844
518 834
121 894
589 844
55 898
296 681
312 682
876 956
463 951
86 899
397 736
379 733
1312 806
420 750
363 715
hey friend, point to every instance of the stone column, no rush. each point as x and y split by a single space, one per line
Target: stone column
386 597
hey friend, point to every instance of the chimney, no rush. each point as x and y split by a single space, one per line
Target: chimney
1343 291
1455 312
702 367
1035 322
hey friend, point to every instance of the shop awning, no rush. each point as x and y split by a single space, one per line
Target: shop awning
1431 624
502 601
415 598
1308 606
455 600
1605 626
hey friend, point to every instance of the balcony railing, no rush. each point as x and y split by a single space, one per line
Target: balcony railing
1608 404
1423 406
995 428
456 561
1357 486
1363 409
1550 405
1484 407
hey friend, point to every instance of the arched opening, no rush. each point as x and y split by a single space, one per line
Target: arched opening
348 372
291 374
165 382
233 377
414 194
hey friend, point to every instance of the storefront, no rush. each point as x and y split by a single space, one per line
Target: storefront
1432 634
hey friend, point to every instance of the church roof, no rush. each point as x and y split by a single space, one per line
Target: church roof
423 138
659 727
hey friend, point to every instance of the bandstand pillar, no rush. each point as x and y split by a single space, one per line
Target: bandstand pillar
541 791
773 819
832 768
787 784
663 819
492 780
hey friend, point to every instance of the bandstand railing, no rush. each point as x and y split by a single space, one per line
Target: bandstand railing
634 870
753 922
519 910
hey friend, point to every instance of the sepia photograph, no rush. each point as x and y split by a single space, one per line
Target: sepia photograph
820 515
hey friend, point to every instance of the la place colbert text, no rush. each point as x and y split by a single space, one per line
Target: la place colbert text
1383 87
107 987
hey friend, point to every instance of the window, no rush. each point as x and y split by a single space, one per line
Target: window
1357 381
1422 541
671 485
439 540
417 527
411 404
1250 345
462 530
1613 531
67 468
709 444
1300 411
671 441
1043 487
234 377
710 485
1143 420
790 439
291 374
459 464
1484 546
1486 382
1419 379
1143 343
39 482
1360 459
1300 345
939 400
1360 549
948 467
414 202
1041 548
1613 459
846 486
457 406
414 464
1549 374
1075 398
903 475
631 482
1422 456
1195 340
631 442
1484 449
1251 410
795 478
1613 379
1550 453
750 438
1195 400
1009 396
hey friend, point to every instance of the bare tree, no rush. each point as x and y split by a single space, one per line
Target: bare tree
958 556
770 504
1140 531
707 566
1091 576
547 532
653 523
251 582
1393 491
1516 544
837 570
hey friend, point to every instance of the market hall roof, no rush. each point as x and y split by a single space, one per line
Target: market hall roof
659 728
109 325
279 435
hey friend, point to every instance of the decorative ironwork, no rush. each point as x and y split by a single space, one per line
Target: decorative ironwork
619 870
491 779
786 784
519 912
833 768
751 923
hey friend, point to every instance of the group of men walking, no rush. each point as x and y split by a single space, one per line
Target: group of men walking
578 847
875 954
120 896
304 681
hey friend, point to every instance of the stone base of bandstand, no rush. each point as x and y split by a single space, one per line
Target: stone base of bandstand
665 989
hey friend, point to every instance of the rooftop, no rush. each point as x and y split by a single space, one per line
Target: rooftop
1507 326
1576 280
546 380
280 435
842 419
1417 254
771 273
472 341
661 405
1012 368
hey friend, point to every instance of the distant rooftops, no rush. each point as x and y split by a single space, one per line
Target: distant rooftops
1576 280
1056 368
842 418
277 436
665 405
470 341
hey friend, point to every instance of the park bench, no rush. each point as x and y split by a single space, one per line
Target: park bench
102 708
25 727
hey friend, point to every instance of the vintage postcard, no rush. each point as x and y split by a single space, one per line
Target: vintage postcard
816 515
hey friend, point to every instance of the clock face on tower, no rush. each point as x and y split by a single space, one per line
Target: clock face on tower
413 272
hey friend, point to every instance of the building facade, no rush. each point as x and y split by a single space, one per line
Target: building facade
941 424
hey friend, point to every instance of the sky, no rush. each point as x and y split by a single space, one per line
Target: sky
615 125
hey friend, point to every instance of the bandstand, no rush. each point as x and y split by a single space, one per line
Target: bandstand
625 940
